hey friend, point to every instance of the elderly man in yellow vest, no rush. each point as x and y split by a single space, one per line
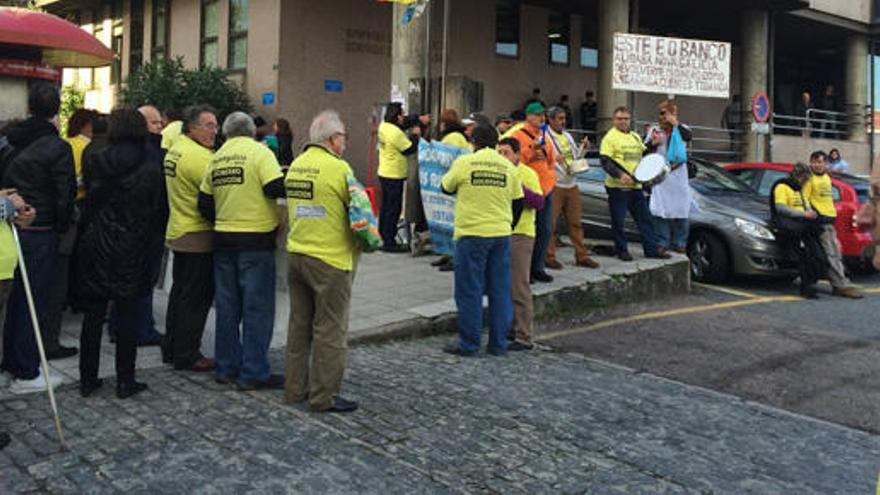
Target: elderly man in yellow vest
320 268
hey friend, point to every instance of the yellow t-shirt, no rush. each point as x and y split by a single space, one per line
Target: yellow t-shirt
392 143
625 148
171 133
818 192
235 177
8 252
564 146
317 199
458 140
529 179
784 195
78 144
185 166
485 184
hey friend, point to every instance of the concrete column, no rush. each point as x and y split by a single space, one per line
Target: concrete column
857 85
613 18
408 60
755 31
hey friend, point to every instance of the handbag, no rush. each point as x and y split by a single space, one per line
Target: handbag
361 218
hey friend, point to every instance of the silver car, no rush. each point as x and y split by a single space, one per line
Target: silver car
729 231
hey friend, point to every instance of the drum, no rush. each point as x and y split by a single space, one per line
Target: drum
652 170
579 166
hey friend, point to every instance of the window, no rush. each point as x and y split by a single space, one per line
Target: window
159 43
559 36
770 178
210 51
507 27
136 44
747 175
238 34
116 34
589 56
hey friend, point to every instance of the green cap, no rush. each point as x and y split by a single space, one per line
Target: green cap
535 108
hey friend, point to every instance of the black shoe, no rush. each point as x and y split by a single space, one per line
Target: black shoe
274 382
542 277
88 387
167 352
225 380
455 349
661 254
396 248
443 260
341 406
810 292
519 346
4 439
152 341
625 257
447 267
126 390
61 352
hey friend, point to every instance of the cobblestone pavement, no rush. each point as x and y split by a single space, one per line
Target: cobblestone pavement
539 422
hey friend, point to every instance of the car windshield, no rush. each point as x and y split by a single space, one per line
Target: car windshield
712 178
863 191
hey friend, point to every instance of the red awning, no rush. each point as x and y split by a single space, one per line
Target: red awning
63 43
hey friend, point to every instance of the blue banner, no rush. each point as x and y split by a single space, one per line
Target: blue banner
435 159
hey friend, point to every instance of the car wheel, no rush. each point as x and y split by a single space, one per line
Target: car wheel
708 256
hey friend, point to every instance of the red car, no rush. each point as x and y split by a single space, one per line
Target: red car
850 193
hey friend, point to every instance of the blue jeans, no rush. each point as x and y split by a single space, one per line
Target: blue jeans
543 234
244 297
632 200
20 356
482 264
144 323
672 233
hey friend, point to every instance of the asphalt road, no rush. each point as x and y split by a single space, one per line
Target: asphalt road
755 340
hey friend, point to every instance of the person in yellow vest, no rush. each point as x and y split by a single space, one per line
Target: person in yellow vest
799 230
12 209
489 202
620 152
453 131
321 264
79 134
190 237
173 128
818 191
522 242
238 194
394 147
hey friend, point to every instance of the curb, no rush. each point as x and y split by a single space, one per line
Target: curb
613 290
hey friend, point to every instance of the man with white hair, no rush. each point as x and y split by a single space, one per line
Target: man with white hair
321 265
238 195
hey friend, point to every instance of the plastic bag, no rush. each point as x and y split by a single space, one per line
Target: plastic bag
361 219
676 152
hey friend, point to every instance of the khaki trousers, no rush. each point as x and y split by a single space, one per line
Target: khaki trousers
568 202
320 298
836 271
523 310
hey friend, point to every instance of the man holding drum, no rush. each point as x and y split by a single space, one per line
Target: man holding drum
620 152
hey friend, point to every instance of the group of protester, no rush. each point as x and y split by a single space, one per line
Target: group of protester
115 195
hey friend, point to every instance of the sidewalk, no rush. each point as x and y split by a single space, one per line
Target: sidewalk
397 296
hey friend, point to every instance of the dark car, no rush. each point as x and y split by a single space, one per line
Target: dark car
729 232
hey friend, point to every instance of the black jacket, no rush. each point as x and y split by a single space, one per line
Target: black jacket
124 186
42 171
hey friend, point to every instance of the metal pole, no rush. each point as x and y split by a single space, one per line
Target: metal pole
426 89
36 326
445 62
872 53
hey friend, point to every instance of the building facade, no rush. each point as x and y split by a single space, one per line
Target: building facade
295 58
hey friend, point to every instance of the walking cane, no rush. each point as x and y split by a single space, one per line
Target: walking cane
36 325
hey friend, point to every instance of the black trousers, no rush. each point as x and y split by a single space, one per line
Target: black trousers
192 292
90 340
807 248
389 212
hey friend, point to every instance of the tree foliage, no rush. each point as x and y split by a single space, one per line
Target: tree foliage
71 100
167 84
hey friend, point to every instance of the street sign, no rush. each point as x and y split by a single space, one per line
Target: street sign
761 107
760 128
332 86
268 98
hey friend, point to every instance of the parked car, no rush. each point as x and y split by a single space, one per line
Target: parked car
849 191
729 232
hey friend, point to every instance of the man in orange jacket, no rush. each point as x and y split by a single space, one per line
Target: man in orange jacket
537 152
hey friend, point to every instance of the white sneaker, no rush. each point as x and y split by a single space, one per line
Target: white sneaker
38 384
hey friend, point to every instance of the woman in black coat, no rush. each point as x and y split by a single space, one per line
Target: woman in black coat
121 211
